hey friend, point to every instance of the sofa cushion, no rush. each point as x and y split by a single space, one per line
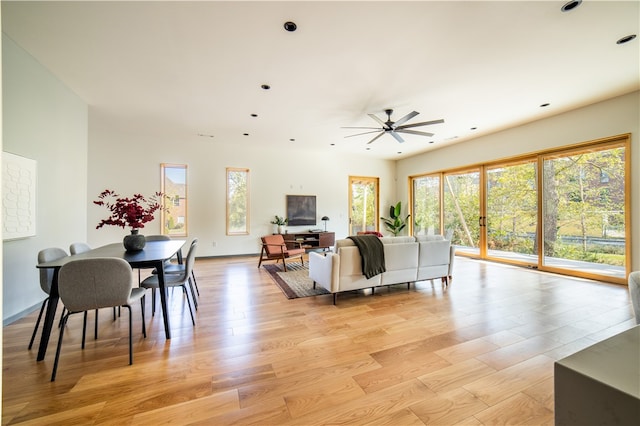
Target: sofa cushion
434 259
401 261
423 238
397 240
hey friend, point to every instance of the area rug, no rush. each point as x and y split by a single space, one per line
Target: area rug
295 282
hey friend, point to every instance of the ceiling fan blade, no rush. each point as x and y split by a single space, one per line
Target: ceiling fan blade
381 133
365 133
424 123
382 123
372 128
405 119
414 132
397 136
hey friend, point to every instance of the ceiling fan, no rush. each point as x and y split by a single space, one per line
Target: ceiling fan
395 127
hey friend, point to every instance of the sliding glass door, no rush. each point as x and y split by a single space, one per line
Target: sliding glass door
363 204
584 211
426 205
512 211
461 203
561 211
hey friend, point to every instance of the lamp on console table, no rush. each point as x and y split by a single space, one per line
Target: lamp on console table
325 219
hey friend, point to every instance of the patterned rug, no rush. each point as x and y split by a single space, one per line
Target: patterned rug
295 282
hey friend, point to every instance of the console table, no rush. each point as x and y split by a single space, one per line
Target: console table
600 384
312 240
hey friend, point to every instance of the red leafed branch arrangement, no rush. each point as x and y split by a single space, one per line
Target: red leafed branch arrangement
132 212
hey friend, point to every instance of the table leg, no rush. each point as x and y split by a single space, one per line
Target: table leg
163 299
49 316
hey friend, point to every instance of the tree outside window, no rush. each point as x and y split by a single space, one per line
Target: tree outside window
174 186
237 201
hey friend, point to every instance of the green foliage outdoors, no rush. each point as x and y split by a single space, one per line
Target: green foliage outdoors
583 211
363 207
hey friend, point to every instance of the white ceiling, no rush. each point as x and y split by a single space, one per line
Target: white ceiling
182 69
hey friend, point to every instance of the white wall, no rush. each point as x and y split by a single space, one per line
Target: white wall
609 118
45 121
130 163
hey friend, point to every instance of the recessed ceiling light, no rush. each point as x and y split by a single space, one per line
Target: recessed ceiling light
626 39
205 135
571 5
544 105
290 26
246 134
368 148
399 152
266 87
431 142
333 144
254 115
474 128
292 140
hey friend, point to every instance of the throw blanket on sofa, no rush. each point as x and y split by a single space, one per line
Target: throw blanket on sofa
372 253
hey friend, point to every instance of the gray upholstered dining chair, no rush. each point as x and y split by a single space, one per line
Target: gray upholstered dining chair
178 268
87 284
46 279
77 248
634 291
174 280
158 237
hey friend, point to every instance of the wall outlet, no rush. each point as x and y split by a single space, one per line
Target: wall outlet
215 244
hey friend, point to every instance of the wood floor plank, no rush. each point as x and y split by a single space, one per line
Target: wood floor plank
477 352
519 409
503 384
191 411
456 375
448 408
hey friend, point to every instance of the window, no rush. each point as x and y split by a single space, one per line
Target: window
237 201
174 186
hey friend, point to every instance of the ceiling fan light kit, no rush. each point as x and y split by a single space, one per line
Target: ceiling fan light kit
395 127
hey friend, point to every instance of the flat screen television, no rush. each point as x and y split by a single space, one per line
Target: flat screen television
301 210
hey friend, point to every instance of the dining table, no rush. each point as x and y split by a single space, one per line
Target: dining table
153 255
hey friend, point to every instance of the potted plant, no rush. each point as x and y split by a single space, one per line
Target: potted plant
281 222
395 223
133 212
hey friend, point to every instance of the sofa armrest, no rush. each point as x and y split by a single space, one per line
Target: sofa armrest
324 270
452 257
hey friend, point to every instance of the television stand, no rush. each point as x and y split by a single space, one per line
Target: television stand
312 240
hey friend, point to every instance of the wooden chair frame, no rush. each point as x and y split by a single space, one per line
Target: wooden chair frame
280 251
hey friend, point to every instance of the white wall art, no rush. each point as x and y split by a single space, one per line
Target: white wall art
18 197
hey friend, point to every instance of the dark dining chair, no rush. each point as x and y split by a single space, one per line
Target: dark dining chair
46 279
89 284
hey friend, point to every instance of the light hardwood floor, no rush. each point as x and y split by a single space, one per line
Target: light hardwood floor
478 352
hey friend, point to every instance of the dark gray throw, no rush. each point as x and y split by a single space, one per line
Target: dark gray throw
372 254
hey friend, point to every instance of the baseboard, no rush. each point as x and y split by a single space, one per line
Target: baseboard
21 314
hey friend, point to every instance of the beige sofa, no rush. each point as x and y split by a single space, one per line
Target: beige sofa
407 260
